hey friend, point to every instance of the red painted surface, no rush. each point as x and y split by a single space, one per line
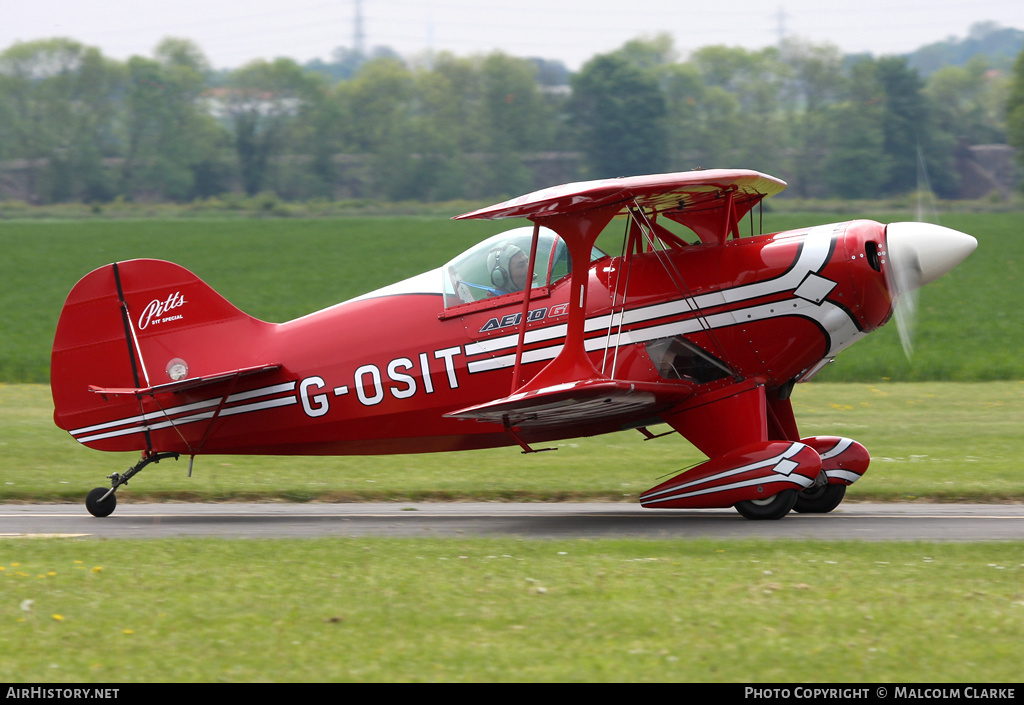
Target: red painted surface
708 337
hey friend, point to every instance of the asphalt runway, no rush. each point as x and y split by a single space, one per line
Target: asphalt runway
851 521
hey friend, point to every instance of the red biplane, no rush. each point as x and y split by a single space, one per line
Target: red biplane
531 336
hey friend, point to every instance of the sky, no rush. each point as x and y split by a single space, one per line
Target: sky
234 32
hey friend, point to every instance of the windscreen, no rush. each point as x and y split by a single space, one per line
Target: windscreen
500 265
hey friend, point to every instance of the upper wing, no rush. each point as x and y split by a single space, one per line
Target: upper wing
708 202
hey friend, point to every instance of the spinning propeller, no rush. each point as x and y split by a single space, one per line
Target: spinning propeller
918 254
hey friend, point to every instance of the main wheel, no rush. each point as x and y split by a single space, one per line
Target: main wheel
774 507
97 507
820 500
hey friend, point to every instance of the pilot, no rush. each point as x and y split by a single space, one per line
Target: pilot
509 267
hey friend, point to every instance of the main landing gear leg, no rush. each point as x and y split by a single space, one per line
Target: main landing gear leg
101 501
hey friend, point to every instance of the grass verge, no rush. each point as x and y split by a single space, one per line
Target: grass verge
940 441
508 610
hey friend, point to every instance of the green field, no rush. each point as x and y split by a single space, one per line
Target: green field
970 327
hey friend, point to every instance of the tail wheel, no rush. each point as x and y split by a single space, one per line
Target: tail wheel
820 500
774 507
97 505
101 501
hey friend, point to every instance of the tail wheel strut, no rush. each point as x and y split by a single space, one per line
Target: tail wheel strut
101 501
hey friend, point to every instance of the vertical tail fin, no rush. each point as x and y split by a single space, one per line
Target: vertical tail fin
142 324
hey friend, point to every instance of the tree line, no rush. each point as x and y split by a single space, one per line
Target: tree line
76 125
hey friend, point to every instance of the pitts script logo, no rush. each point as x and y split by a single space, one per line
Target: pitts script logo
157 311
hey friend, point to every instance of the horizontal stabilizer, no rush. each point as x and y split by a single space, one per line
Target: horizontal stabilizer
185 384
572 403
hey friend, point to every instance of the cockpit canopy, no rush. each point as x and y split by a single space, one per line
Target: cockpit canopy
498 266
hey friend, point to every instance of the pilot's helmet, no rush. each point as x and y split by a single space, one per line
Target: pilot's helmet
498 261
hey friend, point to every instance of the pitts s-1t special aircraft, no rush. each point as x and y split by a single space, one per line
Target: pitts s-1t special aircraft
531 336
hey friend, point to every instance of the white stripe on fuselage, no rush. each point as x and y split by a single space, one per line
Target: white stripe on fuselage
186 413
840 326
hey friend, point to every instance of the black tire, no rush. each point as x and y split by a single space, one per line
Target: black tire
774 507
98 508
820 500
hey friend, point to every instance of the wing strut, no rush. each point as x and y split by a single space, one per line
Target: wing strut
526 308
579 231
629 240
651 233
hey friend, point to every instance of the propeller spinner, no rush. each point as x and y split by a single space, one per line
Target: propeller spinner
920 253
